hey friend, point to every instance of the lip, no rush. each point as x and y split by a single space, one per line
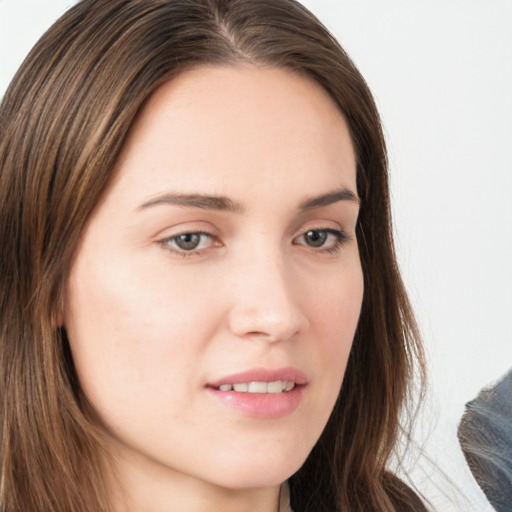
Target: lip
261 405
262 375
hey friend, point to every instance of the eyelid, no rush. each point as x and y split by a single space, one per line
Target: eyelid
164 242
341 236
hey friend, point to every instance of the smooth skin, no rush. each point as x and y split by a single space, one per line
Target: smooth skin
164 298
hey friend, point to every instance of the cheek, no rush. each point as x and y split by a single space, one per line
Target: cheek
335 311
334 316
125 325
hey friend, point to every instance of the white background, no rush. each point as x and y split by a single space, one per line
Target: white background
441 72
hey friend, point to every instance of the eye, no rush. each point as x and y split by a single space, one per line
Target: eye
315 238
188 243
328 240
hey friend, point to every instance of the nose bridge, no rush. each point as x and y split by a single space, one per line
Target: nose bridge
265 303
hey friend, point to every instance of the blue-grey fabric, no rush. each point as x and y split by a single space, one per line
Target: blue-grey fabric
485 436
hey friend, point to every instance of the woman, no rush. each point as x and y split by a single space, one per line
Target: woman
198 252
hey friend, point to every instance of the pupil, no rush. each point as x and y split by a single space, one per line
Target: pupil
316 238
188 241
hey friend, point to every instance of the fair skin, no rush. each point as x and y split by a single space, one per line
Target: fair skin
225 245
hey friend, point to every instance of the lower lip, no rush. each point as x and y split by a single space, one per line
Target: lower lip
261 405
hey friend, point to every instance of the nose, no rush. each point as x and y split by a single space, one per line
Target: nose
265 301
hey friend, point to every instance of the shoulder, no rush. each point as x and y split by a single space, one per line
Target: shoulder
485 436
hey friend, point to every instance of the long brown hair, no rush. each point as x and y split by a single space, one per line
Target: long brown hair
63 122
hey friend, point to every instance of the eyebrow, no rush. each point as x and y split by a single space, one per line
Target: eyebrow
222 203
201 201
341 194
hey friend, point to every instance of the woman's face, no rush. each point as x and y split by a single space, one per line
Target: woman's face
214 296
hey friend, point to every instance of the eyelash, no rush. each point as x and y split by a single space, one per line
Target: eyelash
341 238
166 244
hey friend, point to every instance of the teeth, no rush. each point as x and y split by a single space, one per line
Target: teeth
277 386
257 387
289 386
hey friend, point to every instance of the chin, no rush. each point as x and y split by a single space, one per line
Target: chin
255 479
259 470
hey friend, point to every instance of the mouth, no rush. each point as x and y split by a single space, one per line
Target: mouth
275 387
261 393
261 380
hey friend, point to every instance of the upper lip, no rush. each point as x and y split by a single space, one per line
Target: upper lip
288 374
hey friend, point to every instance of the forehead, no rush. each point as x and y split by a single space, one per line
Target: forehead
224 123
